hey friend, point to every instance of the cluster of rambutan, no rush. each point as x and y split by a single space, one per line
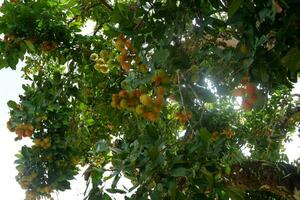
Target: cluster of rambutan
140 103
22 130
247 92
100 65
128 55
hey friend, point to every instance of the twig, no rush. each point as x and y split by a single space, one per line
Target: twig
197 97
101 2
181 97
72 19
98 28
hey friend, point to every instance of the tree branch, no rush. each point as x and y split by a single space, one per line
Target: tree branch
106 5
281 179
290 113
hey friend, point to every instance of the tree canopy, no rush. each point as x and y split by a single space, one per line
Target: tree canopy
167 93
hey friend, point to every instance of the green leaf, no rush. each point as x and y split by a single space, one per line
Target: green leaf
208 175
106 197
110 30
90 122
155 195
204 135
12 60
114 191
12 104
234 6
205 94
261 73
120 13
153 152
29 45
161 56
115 181
227 169
94 193
102 146
234 193
292 60
260 102
64 185
179 172
172 189
96 175
82 106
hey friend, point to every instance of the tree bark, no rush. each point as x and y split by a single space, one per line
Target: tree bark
281 179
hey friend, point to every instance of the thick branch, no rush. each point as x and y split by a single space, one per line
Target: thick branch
87 9
284 123
106 5
101 2
281 179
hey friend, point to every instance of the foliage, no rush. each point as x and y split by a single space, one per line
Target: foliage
151 93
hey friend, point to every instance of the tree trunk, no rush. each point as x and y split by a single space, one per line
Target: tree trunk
281 179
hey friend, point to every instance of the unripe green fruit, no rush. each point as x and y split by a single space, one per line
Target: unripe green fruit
104 69
94 57
244 49
100 61
195 78
123 84
119 45
161 73
123 104
146 100
97 66
139 109
103 54
142 68
194 69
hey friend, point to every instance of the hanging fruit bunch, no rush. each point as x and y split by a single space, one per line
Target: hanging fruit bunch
160 77
128 57
248 92
22 130
44 143
141 103
100 62
183 117
125 55
27 179
147 104
228 133
126 99
48 46
150 106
